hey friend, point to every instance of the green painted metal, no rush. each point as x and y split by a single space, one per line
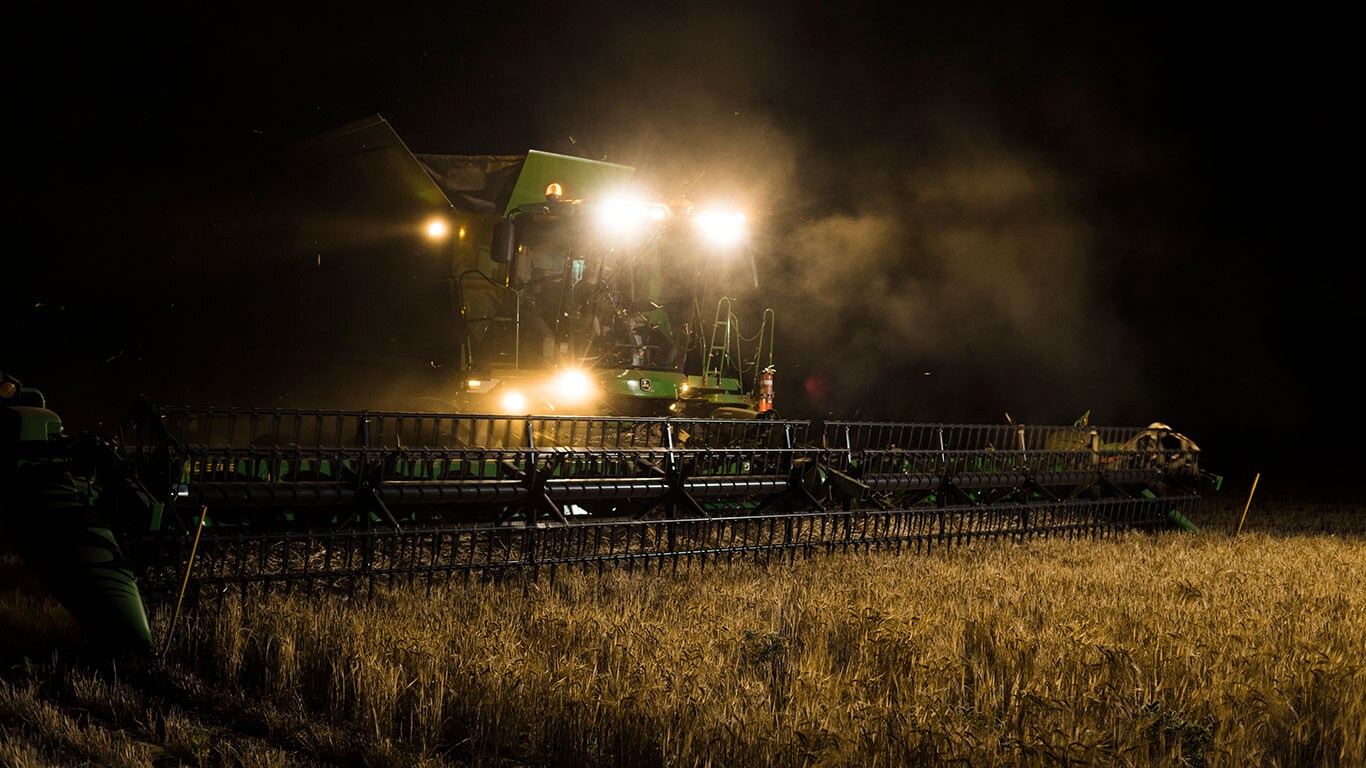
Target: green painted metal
1176 517
55 520
579 178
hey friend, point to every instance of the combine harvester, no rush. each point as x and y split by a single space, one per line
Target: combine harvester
652 439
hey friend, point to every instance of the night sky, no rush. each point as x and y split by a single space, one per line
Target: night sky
962 212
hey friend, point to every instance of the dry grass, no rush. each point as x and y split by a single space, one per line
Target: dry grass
1172 649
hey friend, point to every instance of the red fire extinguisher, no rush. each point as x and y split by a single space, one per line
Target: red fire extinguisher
766 390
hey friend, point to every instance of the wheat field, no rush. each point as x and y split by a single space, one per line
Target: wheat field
1169 649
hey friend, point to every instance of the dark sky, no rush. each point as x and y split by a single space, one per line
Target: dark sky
962 211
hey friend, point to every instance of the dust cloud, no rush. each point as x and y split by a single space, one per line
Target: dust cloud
967 289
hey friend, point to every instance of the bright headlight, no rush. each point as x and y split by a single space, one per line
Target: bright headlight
513 402
722 229
573 386
437 229
624 217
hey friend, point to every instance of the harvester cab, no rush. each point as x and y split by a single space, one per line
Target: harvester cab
602 308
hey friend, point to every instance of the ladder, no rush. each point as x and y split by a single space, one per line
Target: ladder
718 354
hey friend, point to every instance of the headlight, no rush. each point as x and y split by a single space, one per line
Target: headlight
623 217
721 229
573 387
436 228
513 402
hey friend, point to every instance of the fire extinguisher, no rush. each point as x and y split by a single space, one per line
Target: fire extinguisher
766 390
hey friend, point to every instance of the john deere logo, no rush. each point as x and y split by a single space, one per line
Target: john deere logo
645 385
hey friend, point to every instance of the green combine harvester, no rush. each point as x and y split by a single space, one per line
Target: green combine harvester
587 405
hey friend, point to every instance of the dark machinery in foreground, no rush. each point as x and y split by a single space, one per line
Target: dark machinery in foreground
60 496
